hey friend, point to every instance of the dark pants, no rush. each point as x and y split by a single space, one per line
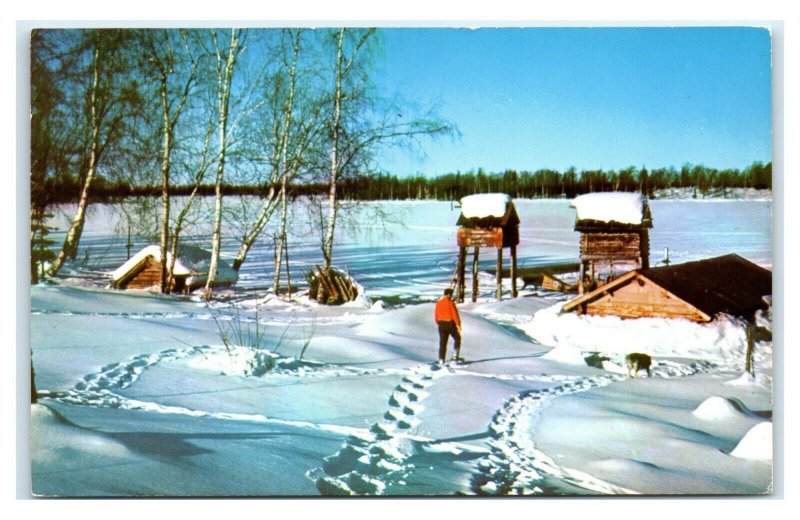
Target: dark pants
447 329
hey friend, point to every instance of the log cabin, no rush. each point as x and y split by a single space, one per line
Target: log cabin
143 270
614 234
486 220
697 291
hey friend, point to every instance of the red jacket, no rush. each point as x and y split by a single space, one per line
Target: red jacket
445 310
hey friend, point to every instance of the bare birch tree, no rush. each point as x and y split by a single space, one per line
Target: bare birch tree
288 130
175 66
106 102
360 123
226 61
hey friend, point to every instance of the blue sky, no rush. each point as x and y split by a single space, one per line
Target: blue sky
530 98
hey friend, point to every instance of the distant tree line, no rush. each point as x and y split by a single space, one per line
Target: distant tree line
545 183
701 180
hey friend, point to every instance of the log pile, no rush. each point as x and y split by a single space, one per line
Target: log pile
330 287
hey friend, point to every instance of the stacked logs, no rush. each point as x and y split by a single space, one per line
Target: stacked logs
330 286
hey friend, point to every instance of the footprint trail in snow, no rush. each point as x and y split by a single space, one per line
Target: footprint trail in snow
516 467
380 459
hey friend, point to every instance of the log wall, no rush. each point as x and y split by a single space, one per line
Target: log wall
149 275
605 246
642 298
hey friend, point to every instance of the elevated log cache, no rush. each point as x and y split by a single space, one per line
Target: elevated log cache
614 235
487 220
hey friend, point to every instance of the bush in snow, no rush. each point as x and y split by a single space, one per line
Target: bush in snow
237 332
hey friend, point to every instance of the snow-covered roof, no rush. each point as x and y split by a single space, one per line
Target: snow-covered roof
485 205
612 206
192 261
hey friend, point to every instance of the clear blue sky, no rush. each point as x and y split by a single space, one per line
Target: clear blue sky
530 98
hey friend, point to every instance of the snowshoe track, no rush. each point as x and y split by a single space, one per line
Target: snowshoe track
375 460
516 467
369 465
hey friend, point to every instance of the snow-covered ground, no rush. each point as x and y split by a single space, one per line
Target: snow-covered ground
141 396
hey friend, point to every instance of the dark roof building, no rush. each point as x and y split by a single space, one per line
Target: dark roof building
694 290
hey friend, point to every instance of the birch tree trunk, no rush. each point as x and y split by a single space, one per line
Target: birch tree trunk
164 60
176 233
224 76
264 214
283 168
333 178
280 159
166 146
276 280
70 247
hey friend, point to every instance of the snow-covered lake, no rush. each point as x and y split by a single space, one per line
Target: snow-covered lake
140 396
408 249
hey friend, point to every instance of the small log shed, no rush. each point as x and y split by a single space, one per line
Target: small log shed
486 220
614 232
143 270
697 291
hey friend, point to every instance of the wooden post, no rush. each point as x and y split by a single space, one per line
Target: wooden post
749 366
460 271
34 393
580 277
475 274
514 271
128 244
288 276
498 292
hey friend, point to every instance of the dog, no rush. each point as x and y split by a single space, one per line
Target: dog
637 361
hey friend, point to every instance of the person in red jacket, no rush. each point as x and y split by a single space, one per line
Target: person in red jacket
449 322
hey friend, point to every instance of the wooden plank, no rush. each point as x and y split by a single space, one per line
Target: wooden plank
480 237
533 275
553 283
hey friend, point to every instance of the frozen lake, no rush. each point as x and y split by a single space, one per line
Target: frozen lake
408 249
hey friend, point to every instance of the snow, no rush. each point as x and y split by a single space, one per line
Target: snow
139 396
153 251
192 261
621 207
485 205
756 444
717 408
721 341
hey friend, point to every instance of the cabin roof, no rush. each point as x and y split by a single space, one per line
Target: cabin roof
728 284
191 261
487 210
725 284
611 211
